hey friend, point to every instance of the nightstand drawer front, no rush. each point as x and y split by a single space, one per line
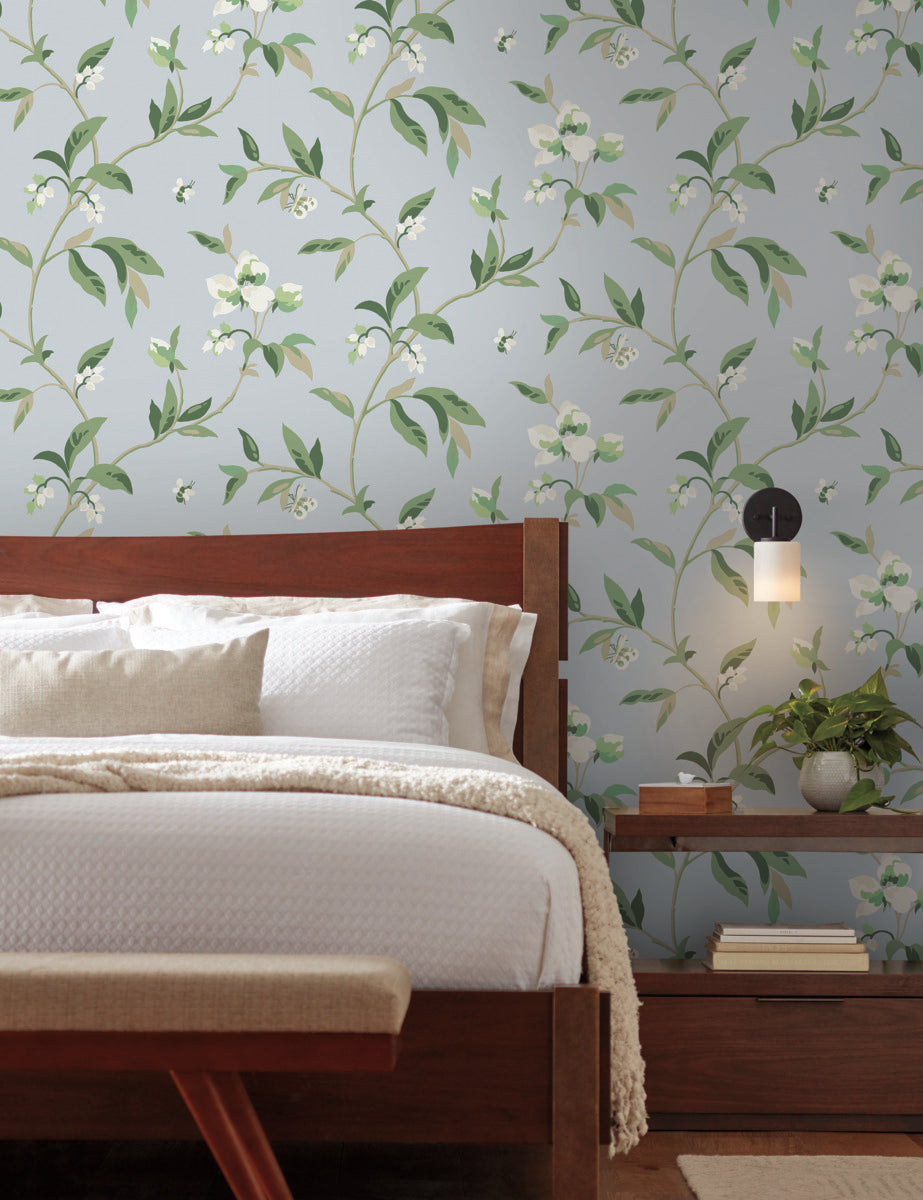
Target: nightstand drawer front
783 1054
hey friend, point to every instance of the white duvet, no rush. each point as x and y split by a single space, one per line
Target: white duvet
465 899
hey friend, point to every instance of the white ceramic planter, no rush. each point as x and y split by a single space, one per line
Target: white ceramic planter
827 776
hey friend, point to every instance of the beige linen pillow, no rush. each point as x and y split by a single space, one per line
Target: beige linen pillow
52 605
508 639
80 693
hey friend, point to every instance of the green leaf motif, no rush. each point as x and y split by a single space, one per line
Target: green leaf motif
432 25
210 243
732 582
735 885
409 129
80 437
17 250
661 552
79 137
302 459
91 283
415 506
340 402
108 475
410 430
641 696
340 101
110 176
432 326
299 151
660 250
732 281
401 288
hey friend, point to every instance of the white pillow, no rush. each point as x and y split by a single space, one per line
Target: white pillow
371 681
44 604
63 633
464 710
483 714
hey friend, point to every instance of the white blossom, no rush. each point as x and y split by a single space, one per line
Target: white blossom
90 206
735 208
89 377
218 341
414 57
411 227
89 77
218 41
732 77
414 358
93 509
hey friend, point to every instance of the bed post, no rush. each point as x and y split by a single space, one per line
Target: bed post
544 545
575 1112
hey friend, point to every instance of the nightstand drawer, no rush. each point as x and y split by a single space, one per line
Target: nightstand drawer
783 1054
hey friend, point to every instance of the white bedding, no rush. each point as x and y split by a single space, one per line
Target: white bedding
465 899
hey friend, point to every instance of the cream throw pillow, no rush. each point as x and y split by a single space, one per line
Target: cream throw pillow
51 605
80 693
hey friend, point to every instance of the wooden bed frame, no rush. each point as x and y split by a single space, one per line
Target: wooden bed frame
485 1067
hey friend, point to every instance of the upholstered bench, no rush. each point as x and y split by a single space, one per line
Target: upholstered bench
204 1018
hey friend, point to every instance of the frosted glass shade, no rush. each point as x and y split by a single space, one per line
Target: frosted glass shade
776 571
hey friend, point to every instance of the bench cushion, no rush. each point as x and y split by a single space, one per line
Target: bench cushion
254 993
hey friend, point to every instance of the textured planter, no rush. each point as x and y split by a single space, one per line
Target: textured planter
826 777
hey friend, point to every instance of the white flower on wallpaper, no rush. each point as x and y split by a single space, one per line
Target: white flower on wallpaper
889 888
93 509
414 57
735 208
889 287
218 340
93 208
861 641
228 6
360 41
682 190
218 40
890 589
414 358
248 286
568 438
540 190
567 137
680 492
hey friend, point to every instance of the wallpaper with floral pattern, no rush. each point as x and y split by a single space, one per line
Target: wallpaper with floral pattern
270 264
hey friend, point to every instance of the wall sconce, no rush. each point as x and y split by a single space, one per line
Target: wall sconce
772 518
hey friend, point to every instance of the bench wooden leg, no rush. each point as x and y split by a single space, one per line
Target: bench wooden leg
575 1149
229 1124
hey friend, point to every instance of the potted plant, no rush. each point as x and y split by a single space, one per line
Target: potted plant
839 743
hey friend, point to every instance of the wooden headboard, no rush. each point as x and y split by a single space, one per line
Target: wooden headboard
508 564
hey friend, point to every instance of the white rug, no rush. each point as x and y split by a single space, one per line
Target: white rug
795 1177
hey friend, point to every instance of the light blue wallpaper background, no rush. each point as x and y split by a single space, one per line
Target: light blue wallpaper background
276 265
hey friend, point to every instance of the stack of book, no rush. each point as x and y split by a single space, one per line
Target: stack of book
833 947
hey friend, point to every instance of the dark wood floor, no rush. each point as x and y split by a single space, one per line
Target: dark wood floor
184 1171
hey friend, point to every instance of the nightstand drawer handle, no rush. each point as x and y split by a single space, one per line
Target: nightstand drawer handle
800 999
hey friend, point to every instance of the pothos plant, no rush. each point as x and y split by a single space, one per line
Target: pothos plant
862 722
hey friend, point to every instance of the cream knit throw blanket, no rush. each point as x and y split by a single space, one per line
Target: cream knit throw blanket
486 791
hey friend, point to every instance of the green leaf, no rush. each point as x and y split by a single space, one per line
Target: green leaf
110 176
251 449
783 260
134 256
325 245
732 281
409 129
737 355
21 253
851 241
251 149
738 655
340 402
536 94
915 189
197 431
732 582
893 147
299 151
432 326
722 138
94 55
12 395
723 438
736 55
79 137
735 885
660 250
751 476
298 451
195 112
210 243
108 475
409 429
646 95
647 396
340 101
415 506
619 602
197 131
91 283
401 288
857 545
415 205
619 300
452 404
16 93
641 696
80 437
660 551
571 297
432 25
456 106
94 356
893 446
753 176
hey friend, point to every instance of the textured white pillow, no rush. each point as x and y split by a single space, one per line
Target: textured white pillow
465 709
45 604
63 633
491 665
372 681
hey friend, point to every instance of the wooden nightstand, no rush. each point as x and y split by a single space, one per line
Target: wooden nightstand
778 1050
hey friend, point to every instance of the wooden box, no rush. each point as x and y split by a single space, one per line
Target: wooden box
684 798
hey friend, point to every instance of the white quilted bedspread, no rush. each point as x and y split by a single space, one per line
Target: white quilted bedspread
465 899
